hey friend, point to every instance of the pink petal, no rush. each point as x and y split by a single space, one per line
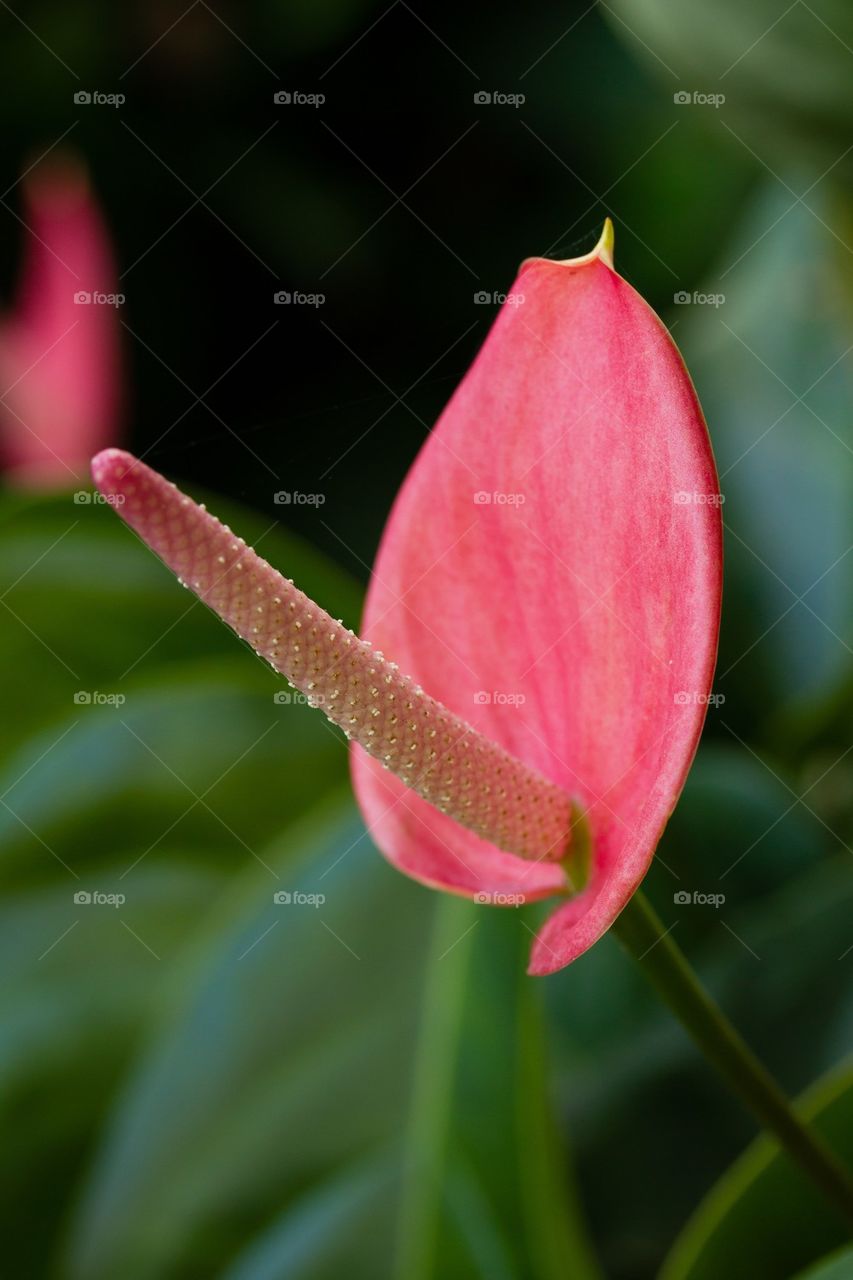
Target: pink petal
587 586
60 363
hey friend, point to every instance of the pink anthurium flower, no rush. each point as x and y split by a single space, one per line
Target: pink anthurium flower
547 593
60 360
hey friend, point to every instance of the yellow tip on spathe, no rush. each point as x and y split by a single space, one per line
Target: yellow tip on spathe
603 250
606 242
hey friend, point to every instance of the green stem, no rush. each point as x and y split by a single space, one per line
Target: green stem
436 1052
641 932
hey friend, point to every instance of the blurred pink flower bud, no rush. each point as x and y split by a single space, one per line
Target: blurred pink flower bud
60 356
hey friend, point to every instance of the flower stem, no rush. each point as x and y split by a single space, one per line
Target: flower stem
642 933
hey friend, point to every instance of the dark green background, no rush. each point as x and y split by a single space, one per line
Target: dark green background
201 1084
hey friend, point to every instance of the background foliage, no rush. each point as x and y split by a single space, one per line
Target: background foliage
204 1082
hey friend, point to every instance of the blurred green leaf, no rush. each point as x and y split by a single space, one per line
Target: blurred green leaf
190 712
79 982
735 829
482 1120
785 72
631 1080
328 1231
88 607
278 1089
157 800
764 1217
254 1086
838 1267
176 757
772 367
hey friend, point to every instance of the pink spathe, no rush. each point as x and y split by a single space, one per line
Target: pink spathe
556 547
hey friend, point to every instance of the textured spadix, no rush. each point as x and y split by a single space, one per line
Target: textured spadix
435 753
